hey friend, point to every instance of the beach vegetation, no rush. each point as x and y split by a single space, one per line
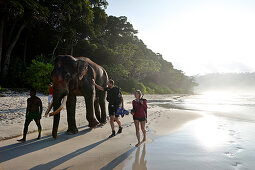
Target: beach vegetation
38 31
38 75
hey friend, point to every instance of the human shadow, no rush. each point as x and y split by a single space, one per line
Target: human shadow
142 164
19 149
67 157
118 160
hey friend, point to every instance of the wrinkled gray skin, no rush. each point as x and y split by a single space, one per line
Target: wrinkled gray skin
65 78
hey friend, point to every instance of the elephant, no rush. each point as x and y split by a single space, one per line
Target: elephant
72 77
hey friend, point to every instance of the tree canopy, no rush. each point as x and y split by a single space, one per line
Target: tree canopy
33 32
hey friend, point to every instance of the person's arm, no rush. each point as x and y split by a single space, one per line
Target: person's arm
40 107
132 111
97 86
122 101
145 104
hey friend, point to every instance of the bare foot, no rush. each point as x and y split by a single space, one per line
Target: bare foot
22 140
144 139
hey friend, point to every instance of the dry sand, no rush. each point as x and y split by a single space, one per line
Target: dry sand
89 149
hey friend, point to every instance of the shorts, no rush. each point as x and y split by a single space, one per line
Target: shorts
140 119
33 116
49 98
112 110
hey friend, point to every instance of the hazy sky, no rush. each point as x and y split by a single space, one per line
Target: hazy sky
197 36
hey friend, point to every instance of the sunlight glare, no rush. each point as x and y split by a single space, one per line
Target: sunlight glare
210 134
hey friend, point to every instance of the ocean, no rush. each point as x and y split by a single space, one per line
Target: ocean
223 139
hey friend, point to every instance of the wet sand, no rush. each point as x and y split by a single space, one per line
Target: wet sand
199 145
89 149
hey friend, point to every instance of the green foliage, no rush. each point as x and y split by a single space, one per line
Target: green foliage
116 70
82 28
38 76
16 72
43 59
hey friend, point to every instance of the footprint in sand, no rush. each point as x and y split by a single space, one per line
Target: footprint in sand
236 164
232 134
229 154
239 149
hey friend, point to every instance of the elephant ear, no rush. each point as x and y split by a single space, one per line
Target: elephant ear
82 68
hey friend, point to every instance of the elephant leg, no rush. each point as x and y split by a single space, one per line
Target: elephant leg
70 107
97 109
102 101
55 126
90 115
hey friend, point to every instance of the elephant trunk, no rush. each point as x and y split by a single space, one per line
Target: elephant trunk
60 108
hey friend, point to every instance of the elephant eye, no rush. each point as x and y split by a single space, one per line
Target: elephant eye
68 76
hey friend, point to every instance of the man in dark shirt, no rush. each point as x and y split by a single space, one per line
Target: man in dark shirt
115 99
33 112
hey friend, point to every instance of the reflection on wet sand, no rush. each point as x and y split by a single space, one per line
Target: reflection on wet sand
142 164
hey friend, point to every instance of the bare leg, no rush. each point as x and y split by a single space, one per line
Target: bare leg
39 128
118 121
112 122
27 122
137 131
143 129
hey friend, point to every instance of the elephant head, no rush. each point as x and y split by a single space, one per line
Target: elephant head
65 75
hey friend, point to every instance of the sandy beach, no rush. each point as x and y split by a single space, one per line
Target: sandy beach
205 132
89 149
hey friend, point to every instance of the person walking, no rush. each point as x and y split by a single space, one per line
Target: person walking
139 113
115 99
33 112
50 94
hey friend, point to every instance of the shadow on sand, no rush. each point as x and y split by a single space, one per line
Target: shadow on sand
19 149
65 158
118 160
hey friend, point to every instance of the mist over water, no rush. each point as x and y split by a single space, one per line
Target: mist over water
222 139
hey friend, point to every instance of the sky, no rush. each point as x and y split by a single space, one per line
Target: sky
197 36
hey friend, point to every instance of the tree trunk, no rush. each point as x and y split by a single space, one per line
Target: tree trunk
72 49
9 51
53 53
11 33
25 51
1 42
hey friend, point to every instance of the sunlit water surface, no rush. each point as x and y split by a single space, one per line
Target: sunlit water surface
222 139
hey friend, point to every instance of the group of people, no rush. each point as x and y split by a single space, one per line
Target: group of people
139 110
115 99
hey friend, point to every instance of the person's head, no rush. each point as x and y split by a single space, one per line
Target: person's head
138 94
50 84
110 83
32 92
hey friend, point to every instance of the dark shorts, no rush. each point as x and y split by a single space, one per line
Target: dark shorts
112 110
33 116
140 119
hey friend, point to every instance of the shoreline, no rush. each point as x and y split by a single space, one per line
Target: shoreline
89 147
13 106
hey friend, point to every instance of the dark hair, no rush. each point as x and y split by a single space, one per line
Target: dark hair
111 81
33 90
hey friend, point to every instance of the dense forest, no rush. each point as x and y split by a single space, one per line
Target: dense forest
235 82
33 32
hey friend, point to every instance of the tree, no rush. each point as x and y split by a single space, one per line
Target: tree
16 15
